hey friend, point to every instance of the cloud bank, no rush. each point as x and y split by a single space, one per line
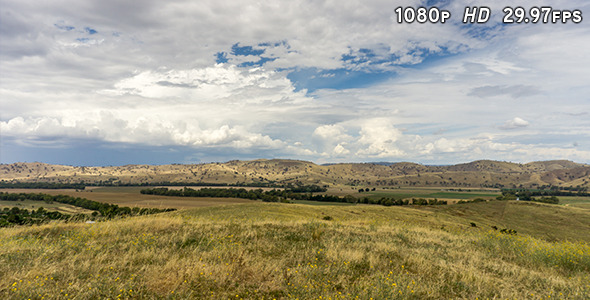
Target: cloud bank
327 82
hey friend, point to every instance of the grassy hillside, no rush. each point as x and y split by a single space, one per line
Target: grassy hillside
266 251
482 173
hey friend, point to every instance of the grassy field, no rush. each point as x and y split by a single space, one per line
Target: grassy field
418 192
545 221
307 202
581 202
274 251
130 196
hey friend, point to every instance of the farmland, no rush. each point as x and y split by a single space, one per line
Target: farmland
130 196
582 202
427 192
31 205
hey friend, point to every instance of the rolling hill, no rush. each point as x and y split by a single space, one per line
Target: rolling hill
482 173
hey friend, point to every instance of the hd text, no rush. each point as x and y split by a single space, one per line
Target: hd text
482 14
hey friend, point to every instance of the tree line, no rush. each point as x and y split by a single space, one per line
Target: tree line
565 188
561 191
18 216
103 210
399 202
297 187
41 185
528 195
168 183
284 196
253 194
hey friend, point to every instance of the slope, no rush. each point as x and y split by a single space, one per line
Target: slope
275 171
255 251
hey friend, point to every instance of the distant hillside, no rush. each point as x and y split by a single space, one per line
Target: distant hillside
483 173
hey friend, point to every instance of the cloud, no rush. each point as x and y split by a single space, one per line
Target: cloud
330 132
514 124
516 91
332 140
300 79
380 137
139 131
204 108
340 151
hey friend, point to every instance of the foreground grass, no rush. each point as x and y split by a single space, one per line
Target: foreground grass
545 221
266 251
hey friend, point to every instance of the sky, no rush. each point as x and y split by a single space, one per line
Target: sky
109 82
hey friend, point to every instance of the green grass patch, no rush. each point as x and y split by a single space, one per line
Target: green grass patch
427 193
581 202
463 195
117 189
319 203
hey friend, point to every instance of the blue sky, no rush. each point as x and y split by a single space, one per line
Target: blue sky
105 83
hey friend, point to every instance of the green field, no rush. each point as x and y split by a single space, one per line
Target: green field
130 197
289 251
581 202
319 203
116 189
427 192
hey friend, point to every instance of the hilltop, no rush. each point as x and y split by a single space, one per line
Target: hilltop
483 173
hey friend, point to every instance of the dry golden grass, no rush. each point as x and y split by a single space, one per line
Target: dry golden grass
546 221
266 251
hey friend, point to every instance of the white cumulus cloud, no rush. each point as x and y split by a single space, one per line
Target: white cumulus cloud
515 123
